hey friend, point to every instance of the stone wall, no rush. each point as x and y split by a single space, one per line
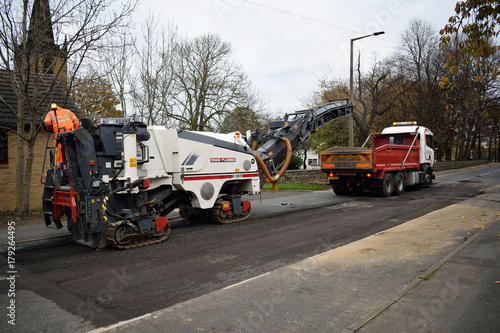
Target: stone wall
317 177
457 164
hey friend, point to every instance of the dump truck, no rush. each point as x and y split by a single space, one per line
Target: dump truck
402 155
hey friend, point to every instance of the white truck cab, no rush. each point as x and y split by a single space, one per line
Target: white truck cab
427 144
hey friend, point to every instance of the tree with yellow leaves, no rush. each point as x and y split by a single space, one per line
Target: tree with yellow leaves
472 58
471 31
95 98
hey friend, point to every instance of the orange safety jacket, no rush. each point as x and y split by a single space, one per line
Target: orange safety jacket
61 120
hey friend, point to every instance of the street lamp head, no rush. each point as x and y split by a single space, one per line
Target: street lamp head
378 33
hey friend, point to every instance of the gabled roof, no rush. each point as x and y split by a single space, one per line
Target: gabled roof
57 94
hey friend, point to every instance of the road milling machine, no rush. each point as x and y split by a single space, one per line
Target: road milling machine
121 178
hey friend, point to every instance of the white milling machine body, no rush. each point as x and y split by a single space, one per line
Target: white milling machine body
121 178
201 164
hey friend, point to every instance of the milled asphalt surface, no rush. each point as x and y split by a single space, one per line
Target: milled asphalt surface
436 273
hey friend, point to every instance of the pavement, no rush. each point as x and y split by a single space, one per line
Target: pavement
437 273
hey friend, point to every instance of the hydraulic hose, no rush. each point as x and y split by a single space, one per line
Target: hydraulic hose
267 174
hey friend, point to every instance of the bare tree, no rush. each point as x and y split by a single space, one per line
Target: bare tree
27 56
115 65
153 83
209 84
421 63
377 93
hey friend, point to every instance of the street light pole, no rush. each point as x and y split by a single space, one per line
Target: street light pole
351 92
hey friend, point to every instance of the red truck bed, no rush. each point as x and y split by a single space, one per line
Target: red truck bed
389 156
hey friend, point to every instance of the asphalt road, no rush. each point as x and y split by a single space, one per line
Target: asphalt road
110 285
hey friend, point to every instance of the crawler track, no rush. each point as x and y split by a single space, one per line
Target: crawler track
220 216
139 241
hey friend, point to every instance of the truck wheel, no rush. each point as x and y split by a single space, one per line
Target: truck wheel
340 190
427 178
387 185
399 184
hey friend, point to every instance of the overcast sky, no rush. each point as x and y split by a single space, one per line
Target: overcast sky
286 45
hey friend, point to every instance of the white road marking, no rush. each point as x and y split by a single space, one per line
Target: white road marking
245 281
121 323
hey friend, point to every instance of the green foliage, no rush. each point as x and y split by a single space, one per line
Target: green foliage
243 119
295 162
335 133
331 89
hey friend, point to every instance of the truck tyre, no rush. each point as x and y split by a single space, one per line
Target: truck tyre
399 184
387 185
427 178
340 189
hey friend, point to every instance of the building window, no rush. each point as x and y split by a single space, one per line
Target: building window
47 66
312 162
4 147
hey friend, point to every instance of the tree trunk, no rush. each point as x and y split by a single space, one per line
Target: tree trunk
20 164
448 151
489 148
479 157
305 159
498 149
468 146
28 169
